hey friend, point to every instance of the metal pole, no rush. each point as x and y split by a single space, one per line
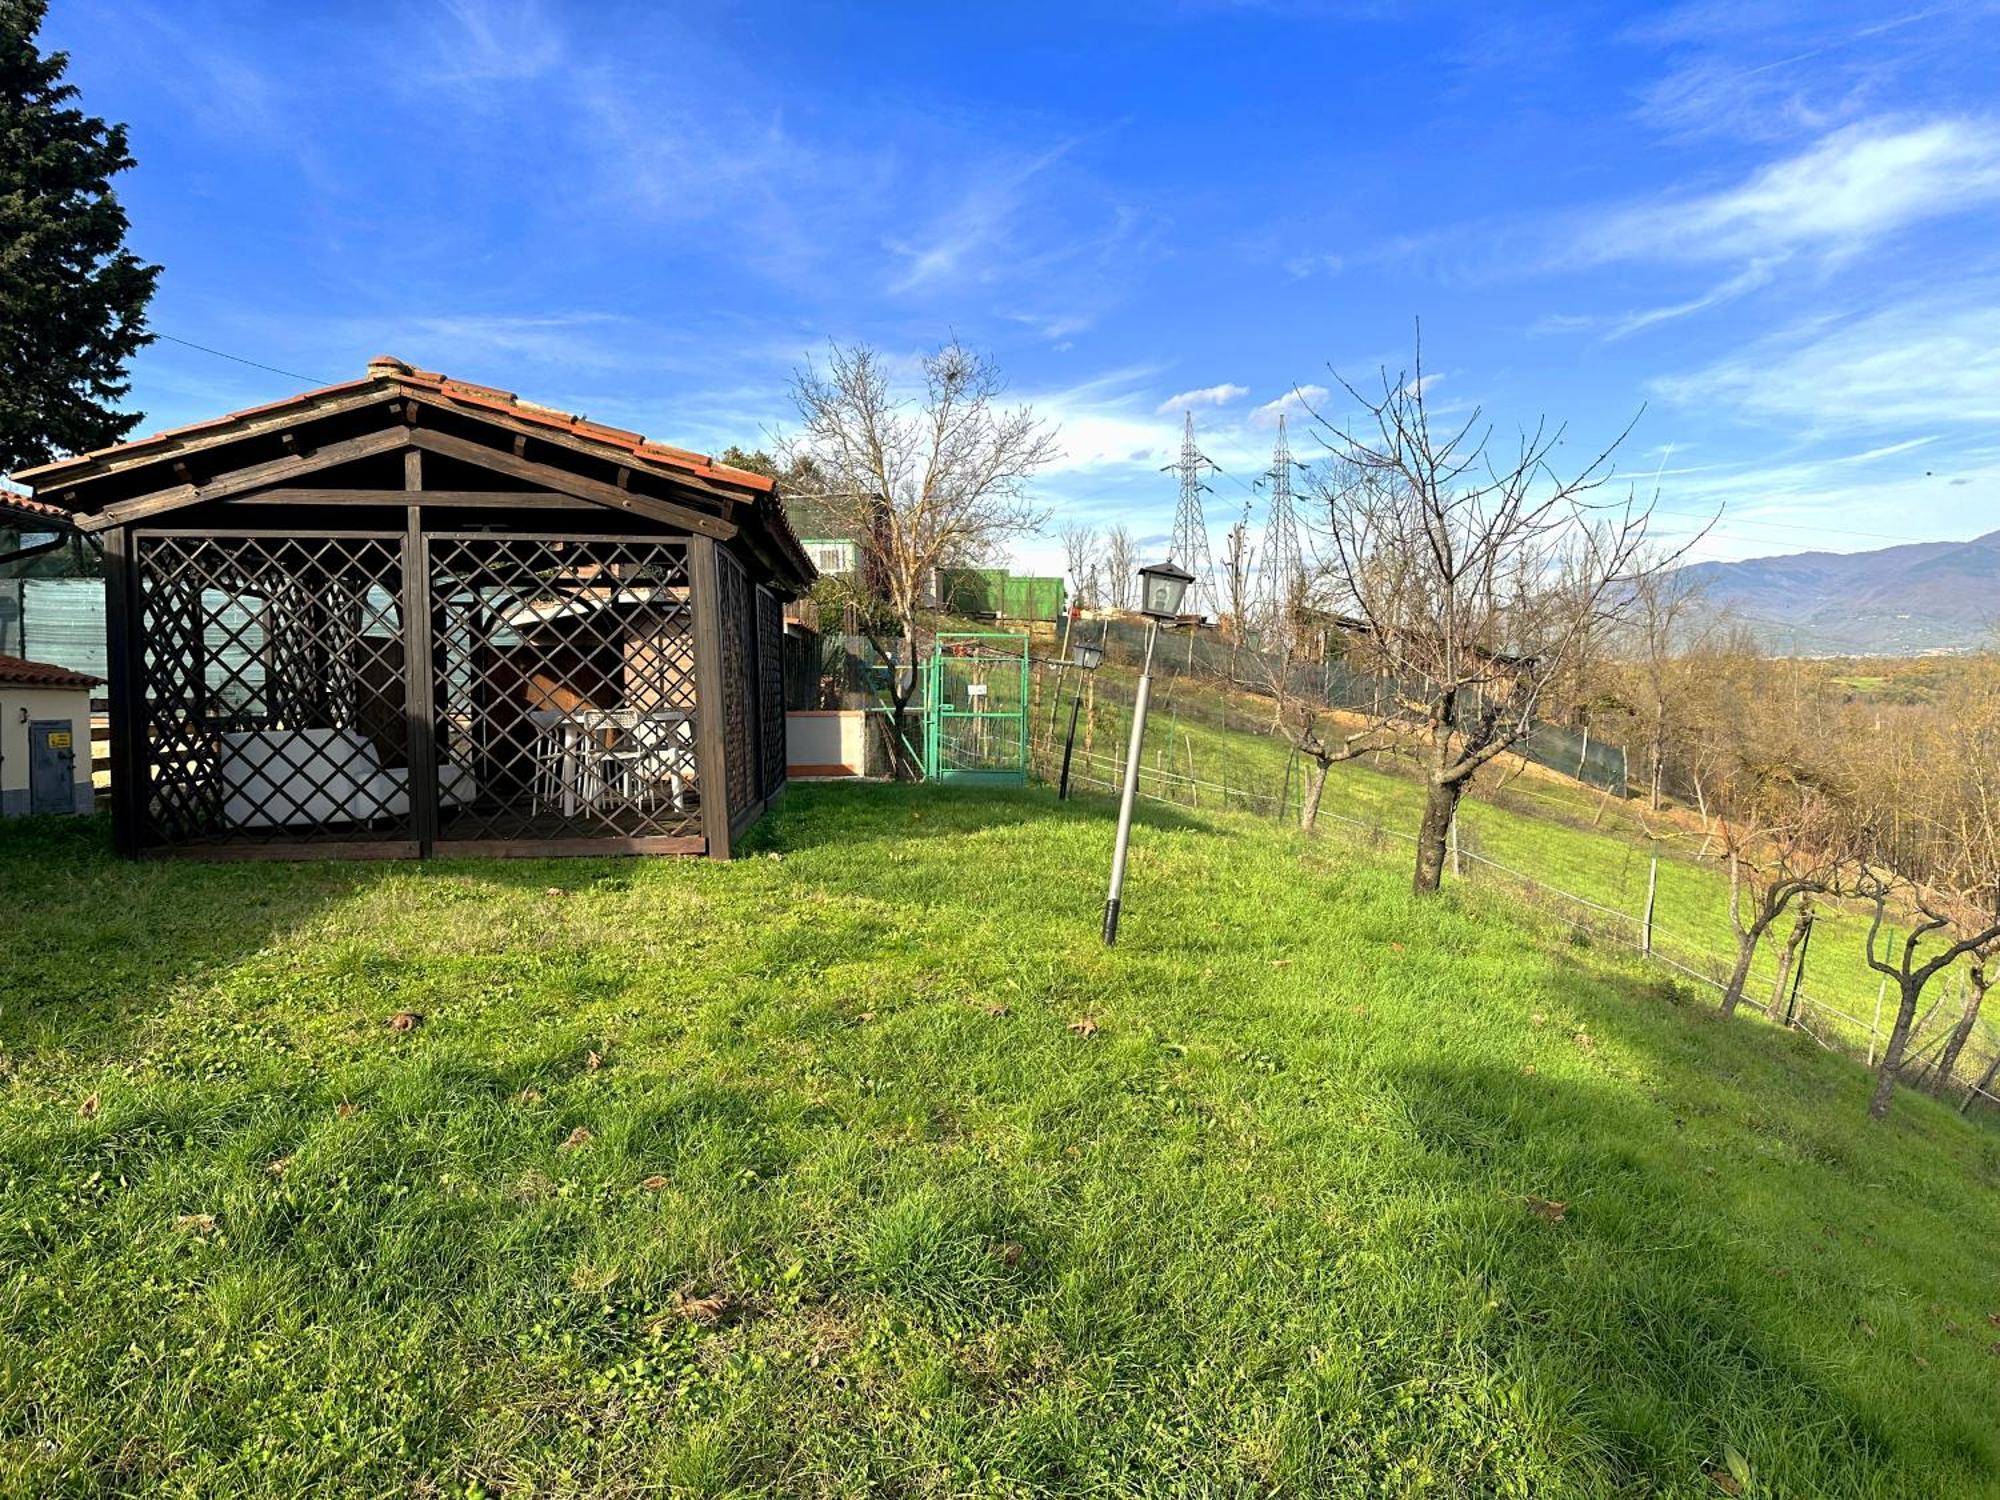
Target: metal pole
1799 975
1652 892
1075 703
1875 1026
1131 791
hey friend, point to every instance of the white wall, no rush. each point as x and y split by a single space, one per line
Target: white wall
826 742
41 703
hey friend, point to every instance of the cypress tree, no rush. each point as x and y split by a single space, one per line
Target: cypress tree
72 297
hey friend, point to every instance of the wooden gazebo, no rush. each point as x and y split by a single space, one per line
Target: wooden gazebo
407 616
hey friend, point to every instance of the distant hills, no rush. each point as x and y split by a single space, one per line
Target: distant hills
1922 596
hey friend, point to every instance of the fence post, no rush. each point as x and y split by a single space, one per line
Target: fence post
1451 839
1652 895
1985 1081
1875 1026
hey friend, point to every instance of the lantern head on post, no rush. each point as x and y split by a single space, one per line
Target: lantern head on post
1162 588
1086 656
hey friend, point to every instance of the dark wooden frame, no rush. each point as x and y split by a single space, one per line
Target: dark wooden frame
533 500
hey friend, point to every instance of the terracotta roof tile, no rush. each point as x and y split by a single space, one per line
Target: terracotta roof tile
34 512
389 372
16 671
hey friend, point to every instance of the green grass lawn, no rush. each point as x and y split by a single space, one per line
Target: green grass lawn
864 1169
1561 834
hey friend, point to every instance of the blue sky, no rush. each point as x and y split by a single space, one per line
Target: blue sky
1775 226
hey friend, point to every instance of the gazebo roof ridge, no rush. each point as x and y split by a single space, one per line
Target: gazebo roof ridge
388 374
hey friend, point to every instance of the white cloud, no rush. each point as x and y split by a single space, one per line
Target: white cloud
1294 402
1910 364
1208 395
1849 188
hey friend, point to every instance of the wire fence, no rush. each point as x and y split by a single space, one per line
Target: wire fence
1704 959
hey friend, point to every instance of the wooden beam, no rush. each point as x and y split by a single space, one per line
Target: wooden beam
255 477
298 850
657 843
419 682
665 512
711 764
578 442
461 499
289 416
126 693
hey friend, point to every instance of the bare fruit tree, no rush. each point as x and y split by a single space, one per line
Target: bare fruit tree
1080 549
1785 847
1324 735
1121 566
1960 933
931 478
1239 559
1479 572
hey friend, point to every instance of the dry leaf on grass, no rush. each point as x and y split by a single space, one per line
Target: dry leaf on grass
707 1311
278 1165
405 1020
593 1061
1867 1328
1083 1026
1527 1070
528 1096
1538 1019
1547 1209
580 1136
1008 1253
342 1110
654 1183
88 1109
555 890
997 1010
1725 1481
195 1223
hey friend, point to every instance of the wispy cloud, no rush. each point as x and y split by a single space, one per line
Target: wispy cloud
1849 188
1207 395
1914 363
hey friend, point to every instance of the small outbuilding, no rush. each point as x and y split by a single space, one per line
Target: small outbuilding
408 615
44 739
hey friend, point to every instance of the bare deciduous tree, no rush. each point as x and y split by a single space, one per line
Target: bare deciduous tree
1479 574
1961 934
1785 846
1238 561
926 480
1325 736
1121 563
1080 561
1668 614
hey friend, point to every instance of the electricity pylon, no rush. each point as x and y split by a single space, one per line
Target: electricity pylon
1282 582
1190 543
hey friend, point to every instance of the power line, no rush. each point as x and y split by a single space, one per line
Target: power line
238 359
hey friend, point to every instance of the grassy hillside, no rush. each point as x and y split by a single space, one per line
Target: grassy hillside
1559 833
863 1168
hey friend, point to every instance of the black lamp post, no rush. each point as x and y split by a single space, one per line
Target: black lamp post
1162 589
1086 657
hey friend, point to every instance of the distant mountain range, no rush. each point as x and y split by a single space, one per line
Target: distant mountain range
1924 596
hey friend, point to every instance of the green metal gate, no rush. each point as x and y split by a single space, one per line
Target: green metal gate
976 719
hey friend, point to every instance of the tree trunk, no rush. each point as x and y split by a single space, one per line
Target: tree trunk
1440 802
1309 809
1892 1055
1787 954
1975 994
1746 949
1658 758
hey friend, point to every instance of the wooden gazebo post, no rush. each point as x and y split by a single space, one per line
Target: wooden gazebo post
711 756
